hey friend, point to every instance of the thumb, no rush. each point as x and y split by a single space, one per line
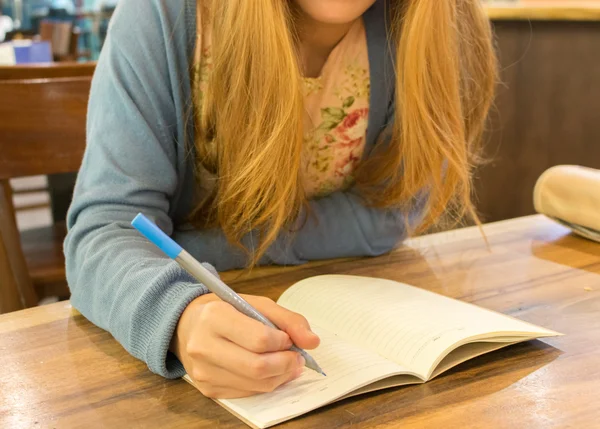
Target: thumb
302 336
294 324
297 327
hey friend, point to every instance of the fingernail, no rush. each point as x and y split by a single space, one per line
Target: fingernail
288 343
301 361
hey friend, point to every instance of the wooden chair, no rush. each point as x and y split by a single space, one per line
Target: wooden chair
42 124
47 70
59 186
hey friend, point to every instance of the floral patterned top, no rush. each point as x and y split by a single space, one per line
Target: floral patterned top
336 109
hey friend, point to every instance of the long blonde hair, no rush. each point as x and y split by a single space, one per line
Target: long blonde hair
250 122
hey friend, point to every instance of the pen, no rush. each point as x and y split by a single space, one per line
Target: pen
174 251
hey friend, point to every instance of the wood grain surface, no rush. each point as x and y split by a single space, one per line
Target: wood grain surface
544 10
42 123
60 371
545 112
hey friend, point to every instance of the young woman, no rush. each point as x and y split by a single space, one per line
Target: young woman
265 132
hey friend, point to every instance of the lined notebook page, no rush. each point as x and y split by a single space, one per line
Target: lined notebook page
347 367
407 325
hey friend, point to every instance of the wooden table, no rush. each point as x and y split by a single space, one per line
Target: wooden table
60 371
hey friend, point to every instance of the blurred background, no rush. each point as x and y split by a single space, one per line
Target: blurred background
84 20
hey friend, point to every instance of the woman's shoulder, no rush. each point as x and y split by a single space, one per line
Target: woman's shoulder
143 26
157 14
160 6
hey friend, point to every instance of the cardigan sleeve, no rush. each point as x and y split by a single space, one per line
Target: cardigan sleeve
118 280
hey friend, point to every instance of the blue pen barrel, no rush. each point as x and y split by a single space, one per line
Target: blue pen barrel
153 233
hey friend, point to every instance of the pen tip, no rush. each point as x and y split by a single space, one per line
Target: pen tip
323 373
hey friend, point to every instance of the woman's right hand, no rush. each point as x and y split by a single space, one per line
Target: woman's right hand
229 355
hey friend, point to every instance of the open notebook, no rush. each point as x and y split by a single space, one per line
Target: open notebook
377 334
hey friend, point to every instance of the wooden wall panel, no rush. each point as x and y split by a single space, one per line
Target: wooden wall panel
547 111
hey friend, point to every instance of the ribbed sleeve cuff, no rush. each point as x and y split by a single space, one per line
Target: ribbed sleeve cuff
155 328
